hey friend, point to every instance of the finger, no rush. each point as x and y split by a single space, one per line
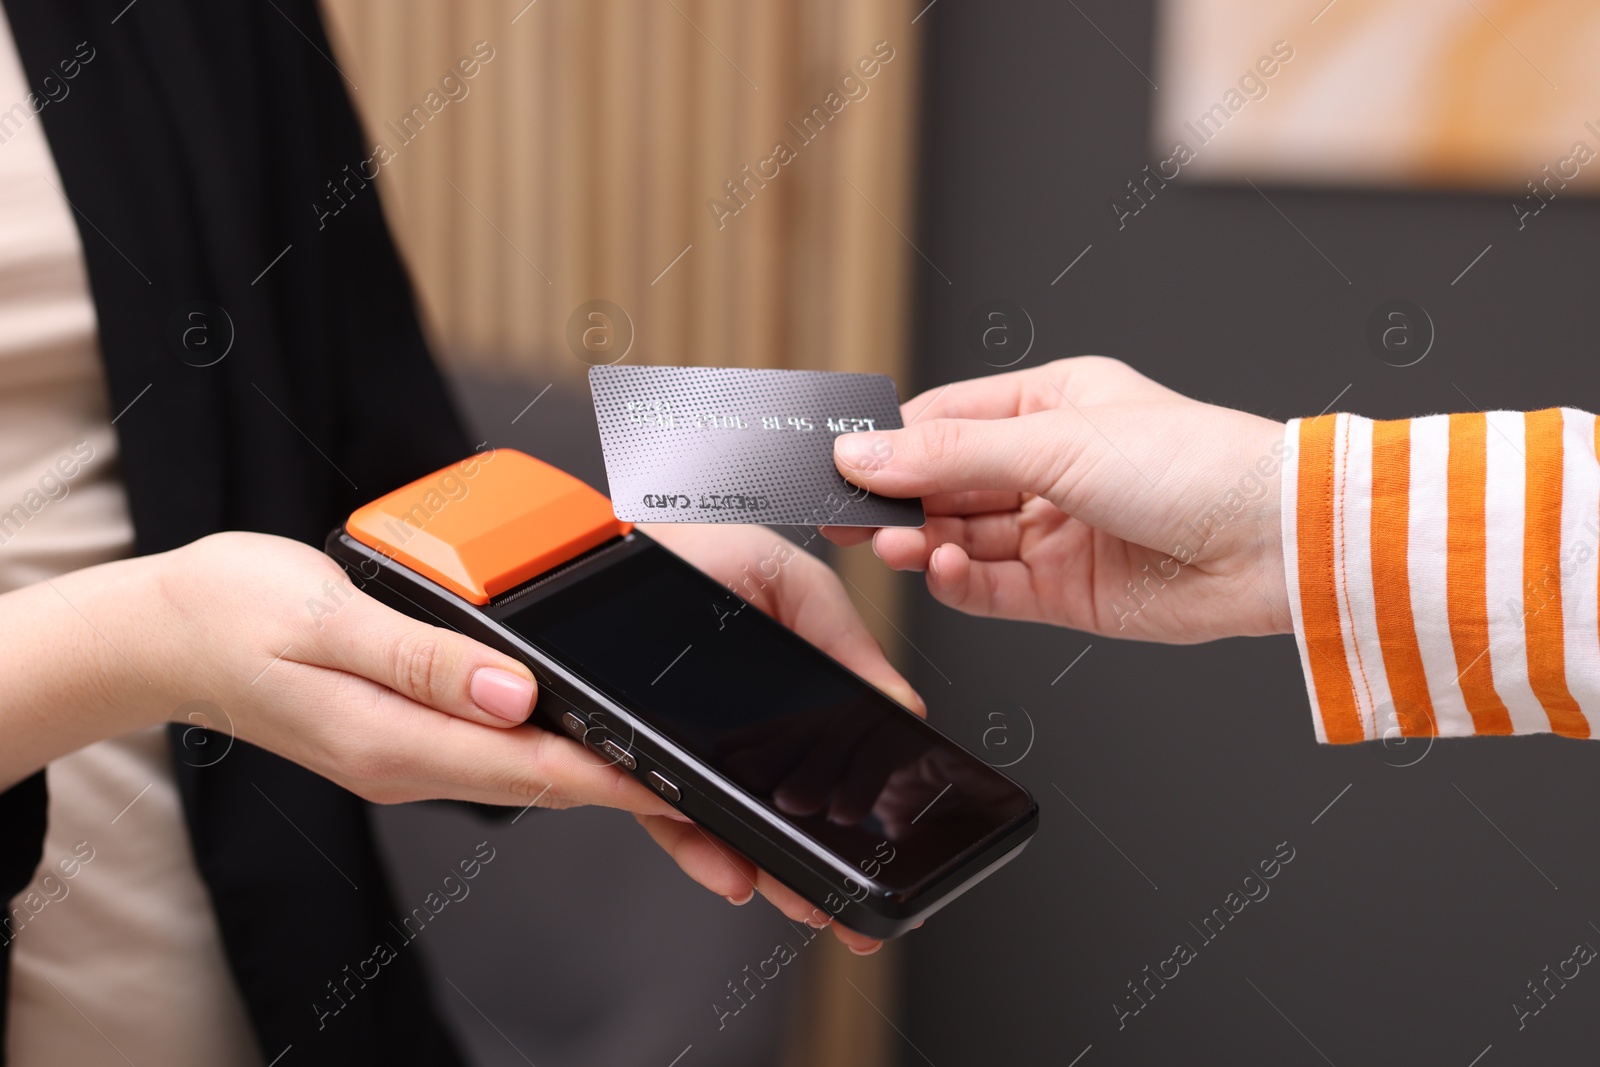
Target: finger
1024 454
1018 392
968 503
825 616
908 550
428 664
976 502
1002 589
401 750
811 600
993 396
846 536
731 876
724 873
982 537
798 908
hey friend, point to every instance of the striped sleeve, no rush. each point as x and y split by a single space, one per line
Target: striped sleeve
1442 573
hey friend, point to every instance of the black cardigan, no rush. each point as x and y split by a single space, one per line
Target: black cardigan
192 145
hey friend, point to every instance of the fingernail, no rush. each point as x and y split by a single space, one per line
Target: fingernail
933 561
866 951
858 450
748 897
502 694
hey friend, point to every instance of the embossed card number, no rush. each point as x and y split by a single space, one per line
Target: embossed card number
659 414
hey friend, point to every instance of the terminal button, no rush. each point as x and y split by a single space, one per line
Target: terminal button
574 725
663 785
622 756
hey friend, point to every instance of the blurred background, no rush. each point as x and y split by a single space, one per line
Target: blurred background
1237 197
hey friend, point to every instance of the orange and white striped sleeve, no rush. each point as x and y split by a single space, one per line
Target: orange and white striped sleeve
1442 573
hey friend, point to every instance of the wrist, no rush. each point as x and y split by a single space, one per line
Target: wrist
125 606
1249 551
1273 442
78 665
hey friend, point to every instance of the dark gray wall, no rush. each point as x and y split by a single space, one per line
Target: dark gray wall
1407 924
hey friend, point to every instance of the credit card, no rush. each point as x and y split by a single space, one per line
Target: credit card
734 444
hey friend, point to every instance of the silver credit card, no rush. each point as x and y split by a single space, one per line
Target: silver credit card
732 444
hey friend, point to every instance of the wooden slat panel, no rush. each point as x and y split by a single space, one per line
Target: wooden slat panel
594 141
529 297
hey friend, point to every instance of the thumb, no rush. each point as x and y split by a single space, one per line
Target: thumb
1023 454
442 669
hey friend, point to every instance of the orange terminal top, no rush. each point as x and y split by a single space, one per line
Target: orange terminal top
488 523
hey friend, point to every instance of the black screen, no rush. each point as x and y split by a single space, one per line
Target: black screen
784 722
